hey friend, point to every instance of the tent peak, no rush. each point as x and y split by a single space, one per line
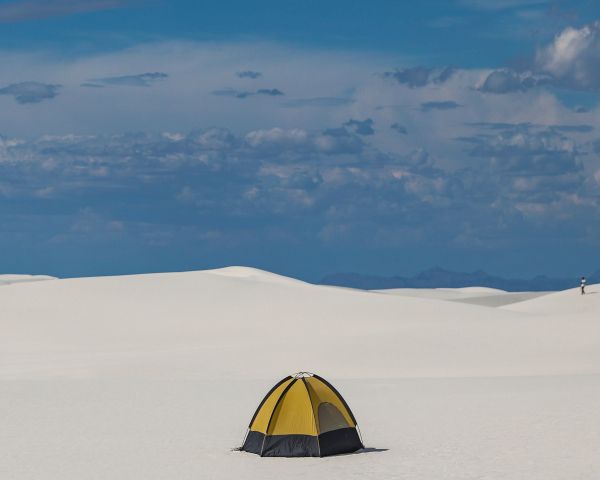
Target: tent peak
303 375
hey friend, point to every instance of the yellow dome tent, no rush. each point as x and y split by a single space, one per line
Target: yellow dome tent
302 416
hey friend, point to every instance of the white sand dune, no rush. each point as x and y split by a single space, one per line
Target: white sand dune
566 303
445 293
484 296
249 273
156 376
10 279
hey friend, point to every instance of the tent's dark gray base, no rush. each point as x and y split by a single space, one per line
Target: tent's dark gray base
281 445
344 440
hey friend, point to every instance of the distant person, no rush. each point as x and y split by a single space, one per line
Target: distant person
582 284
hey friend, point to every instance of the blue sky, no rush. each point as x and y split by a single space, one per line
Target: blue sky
301 137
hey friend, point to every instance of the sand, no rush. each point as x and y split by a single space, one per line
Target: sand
484 296
10 279
156 376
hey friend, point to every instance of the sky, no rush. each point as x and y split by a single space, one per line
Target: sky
302 137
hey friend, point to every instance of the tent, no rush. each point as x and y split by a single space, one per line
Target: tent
302 416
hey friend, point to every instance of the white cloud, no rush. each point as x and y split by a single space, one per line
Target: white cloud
573 58
276 140
279 137
508 81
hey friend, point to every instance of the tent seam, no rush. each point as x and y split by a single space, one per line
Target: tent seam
283 394
266 397
314 416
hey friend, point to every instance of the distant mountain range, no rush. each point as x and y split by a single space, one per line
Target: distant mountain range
440 278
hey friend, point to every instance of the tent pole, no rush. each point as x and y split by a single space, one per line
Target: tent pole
360 435
313 412
245 437
262 447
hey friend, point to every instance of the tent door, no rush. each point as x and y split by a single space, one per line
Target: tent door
330 418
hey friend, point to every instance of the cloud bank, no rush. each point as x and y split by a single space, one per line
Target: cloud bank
419 157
